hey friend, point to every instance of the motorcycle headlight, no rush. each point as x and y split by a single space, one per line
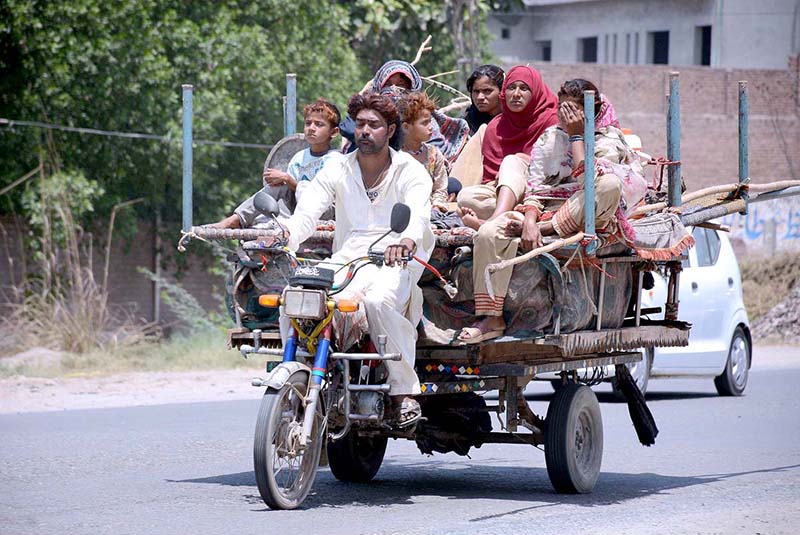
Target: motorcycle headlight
306 304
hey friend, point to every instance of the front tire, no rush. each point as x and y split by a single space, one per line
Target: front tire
356 458
573 440
733 379
285 473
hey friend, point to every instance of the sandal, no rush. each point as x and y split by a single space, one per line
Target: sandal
409 412
475 335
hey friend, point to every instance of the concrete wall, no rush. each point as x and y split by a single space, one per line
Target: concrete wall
745 34
128 289
768 227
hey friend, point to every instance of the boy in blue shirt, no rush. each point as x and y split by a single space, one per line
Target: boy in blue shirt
321 120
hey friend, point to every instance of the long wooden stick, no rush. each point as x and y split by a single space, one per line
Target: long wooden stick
422 49
492 268
714 190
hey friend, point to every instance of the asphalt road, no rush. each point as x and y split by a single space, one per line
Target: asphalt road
720 465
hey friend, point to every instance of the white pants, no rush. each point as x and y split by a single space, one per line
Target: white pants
385 294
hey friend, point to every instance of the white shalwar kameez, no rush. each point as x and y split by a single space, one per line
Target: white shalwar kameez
390 296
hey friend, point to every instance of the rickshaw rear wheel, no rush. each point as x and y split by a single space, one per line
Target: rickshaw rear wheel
356 458
573 440
285 472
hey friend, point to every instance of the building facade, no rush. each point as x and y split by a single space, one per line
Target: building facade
751 34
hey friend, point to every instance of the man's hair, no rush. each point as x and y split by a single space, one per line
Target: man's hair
412 105
329 111
381 104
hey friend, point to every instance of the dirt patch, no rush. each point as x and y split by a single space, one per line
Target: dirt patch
34 394
766 281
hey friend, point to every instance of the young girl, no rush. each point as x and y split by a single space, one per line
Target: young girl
416 114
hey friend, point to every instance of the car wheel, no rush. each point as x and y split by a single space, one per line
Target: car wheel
733 379
640 372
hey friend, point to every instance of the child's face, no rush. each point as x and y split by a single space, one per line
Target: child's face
317 130
421 129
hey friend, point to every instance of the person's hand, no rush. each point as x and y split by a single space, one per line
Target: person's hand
571 118
273 240
274 177
398 253
531 237
441 207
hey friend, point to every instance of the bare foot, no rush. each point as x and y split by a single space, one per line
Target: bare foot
469 218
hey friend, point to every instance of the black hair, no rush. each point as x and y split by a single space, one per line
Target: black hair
493 72
474 117
574 88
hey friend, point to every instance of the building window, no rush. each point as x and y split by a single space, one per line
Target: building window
544 50
636 48
702 45
587 49
658 48
614 48
627 48
505 33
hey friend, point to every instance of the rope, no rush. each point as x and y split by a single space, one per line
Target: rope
130 135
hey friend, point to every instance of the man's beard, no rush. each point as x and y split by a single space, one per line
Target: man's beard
369 145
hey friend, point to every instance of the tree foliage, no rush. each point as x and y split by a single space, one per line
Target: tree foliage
120 65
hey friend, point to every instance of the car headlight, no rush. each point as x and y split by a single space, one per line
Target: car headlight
306 304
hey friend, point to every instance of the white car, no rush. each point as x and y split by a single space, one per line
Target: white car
720 345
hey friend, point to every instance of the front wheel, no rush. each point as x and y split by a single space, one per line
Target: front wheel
356 458
573 439
733 379
285 471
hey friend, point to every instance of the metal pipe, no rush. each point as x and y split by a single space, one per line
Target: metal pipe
674 142
291 104
601 297
188 105
588 143
639 298
744 162
744 120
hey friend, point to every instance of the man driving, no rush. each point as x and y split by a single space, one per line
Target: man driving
364 186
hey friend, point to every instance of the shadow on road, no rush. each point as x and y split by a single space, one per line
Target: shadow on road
608 397
398 483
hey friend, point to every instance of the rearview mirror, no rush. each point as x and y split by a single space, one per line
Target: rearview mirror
401 214
265 204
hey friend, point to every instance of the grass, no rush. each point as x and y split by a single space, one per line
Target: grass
202 351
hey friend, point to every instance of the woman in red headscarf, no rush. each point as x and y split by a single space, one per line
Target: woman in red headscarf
529 108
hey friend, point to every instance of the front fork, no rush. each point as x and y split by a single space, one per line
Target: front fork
317 376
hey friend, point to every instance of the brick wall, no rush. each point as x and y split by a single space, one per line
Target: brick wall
709 115
127 287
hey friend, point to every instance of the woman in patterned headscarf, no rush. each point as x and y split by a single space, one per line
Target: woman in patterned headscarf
396 78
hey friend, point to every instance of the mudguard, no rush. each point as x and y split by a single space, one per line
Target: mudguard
282 372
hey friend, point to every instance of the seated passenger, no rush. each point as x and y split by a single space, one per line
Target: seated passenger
416 110
321 119
555 199
395 78
483 86
529 107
